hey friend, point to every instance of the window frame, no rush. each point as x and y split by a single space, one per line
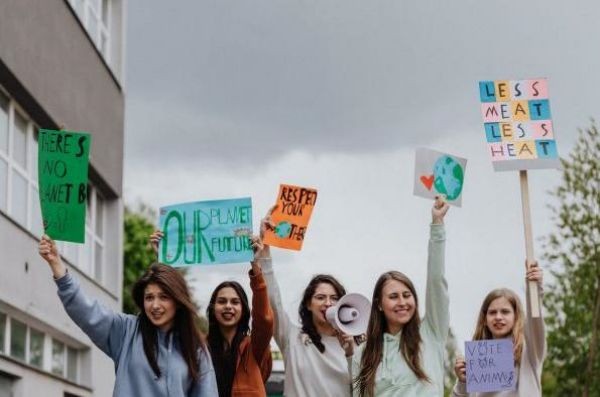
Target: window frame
33 217
103 26
46 348
27 172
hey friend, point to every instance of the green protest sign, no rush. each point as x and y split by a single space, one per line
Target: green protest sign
63 158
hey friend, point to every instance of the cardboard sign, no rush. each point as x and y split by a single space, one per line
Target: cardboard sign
518 125
439 173
490 365
294 207
63 158
206 232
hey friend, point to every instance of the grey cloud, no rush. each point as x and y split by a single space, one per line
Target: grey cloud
254 80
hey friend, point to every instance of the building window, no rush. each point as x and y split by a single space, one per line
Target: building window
4 112
95 17
19 197
18 336
72 364
89 257
2 332
28 345
65 361
36 348
18 166
58 358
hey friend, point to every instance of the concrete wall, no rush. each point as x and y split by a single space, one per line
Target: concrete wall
52 69
45 47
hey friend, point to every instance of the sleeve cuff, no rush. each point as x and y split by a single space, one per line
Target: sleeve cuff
257 281
460 388
266 264
65 281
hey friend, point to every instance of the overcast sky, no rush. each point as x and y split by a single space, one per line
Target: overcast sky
230 98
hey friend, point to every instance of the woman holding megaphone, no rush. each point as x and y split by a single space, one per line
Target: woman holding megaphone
404 354
314 352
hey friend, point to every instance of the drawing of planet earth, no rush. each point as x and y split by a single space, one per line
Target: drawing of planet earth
448 177
283 229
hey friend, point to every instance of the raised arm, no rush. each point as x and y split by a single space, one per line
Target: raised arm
460 370
436 296
282 321
104 327
535 333
262 258
262 316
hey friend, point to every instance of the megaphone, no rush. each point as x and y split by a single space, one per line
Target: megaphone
350 315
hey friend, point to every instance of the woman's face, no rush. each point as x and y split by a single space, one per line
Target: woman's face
159 307
323 298
228 308
397 304
500 318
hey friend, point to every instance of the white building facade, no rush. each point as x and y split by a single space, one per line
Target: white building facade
61 65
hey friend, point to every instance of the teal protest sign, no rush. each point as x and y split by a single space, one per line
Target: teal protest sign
206 232
63 158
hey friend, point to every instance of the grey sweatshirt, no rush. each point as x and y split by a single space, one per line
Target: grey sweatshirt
116 334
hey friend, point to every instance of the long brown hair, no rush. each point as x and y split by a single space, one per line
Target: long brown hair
184 325
410 343
225 357
517 333
306 319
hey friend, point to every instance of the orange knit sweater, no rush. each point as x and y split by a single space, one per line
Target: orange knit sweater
254 358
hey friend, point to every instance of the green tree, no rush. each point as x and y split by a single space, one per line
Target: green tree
573 300
137 253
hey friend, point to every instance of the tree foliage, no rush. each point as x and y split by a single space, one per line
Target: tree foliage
572 367
137 253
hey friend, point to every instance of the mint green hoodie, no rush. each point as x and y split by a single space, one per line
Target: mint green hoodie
394 377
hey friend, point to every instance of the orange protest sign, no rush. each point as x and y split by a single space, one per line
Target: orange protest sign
294 207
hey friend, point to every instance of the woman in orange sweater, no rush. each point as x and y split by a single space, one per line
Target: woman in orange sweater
241 359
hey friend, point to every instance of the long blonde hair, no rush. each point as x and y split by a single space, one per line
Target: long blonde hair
410 344
517 333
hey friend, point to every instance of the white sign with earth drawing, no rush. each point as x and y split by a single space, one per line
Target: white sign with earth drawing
439 173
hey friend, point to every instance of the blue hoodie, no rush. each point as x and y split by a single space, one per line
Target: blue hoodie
117 335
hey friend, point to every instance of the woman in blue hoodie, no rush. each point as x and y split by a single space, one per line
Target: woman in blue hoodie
156 353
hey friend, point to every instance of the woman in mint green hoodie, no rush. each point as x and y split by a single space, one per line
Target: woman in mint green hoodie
404 354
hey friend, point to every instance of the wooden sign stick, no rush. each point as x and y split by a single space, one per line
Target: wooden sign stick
534 293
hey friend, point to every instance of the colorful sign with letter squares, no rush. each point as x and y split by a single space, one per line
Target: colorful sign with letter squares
518 125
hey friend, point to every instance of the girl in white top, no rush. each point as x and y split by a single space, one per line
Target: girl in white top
315 361
501 316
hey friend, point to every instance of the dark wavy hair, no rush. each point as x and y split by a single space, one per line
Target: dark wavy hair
225 357
184 328
410 343
308 326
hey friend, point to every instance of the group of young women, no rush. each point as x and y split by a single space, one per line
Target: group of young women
160 352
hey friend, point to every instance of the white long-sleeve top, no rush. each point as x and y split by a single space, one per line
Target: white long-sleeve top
308 372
